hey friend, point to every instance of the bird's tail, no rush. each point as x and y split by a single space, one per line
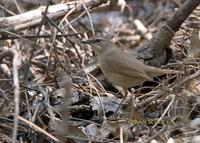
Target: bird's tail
153 71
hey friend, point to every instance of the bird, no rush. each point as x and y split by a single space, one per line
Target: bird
120 68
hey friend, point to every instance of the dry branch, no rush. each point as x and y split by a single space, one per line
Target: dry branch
14 54
155 51
34 17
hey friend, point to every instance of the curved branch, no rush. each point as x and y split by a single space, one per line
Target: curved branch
157 47
14 54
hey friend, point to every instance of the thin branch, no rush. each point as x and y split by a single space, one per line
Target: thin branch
5 37
37 128
16 92
13 53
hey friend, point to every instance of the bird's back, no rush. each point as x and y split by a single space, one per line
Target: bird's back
122 69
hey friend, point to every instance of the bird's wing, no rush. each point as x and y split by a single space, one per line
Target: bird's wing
123 64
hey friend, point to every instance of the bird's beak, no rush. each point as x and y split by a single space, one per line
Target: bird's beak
86 42
90 41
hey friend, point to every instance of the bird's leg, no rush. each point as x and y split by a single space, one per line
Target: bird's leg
125 93
120 91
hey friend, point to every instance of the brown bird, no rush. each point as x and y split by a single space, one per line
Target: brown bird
122 69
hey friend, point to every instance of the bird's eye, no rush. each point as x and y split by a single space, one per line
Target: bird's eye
98 40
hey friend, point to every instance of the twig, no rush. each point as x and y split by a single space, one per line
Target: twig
90 19
6 10
16 93
43 20
189 78
5 37
166 110
37 128
13 53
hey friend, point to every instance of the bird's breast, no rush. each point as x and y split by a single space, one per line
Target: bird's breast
119 79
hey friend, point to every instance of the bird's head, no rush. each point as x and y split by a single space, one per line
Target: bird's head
100 45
